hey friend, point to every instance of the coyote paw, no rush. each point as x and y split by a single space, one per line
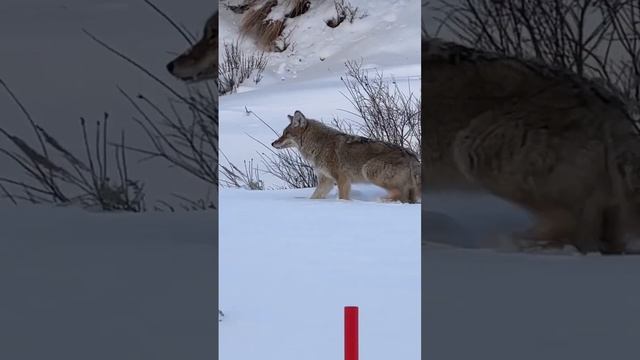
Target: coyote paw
543 246
220 315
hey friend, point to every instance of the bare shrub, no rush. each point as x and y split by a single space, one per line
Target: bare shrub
188 143
55 175
247 178
185 204
284 42
344 11
186 134
289 166
237 66
595 39
387 113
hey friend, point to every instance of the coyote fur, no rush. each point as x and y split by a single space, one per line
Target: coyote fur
559 145
343 159
200 61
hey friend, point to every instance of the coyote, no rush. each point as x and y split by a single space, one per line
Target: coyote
200 62
558 145
341 158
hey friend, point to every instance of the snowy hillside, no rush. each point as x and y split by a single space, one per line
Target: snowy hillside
288 262
384 33
61 75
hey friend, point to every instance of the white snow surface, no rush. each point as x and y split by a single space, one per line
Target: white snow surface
288 266
80 285
483 298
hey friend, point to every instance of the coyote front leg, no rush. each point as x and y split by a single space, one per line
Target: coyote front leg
344 188
325 184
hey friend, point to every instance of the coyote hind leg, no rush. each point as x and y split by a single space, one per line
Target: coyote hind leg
392 195
599 229
553 229
612 239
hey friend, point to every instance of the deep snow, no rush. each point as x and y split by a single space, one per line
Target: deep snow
483 300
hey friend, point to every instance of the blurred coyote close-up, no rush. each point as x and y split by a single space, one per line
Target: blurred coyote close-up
340 158
558 145
200 61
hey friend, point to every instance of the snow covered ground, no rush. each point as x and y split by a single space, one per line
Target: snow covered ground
288 264
482 300
80 285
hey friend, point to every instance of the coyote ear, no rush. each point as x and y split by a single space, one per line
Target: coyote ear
290 118
299 119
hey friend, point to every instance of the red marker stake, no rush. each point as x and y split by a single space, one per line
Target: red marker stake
350 333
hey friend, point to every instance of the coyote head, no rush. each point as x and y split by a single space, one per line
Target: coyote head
292 133
200 62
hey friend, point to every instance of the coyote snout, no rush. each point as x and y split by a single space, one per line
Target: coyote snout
200 62
343 159
287 138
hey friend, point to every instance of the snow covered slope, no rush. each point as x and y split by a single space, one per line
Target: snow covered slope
384 33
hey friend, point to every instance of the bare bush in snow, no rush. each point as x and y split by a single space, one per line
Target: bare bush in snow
238 66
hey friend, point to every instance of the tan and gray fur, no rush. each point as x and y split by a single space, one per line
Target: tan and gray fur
200 61
343 159
556 144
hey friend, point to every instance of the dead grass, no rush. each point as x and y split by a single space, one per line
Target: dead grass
254 23
344 11
266 32
298 7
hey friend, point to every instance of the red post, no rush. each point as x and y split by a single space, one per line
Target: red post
350 333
